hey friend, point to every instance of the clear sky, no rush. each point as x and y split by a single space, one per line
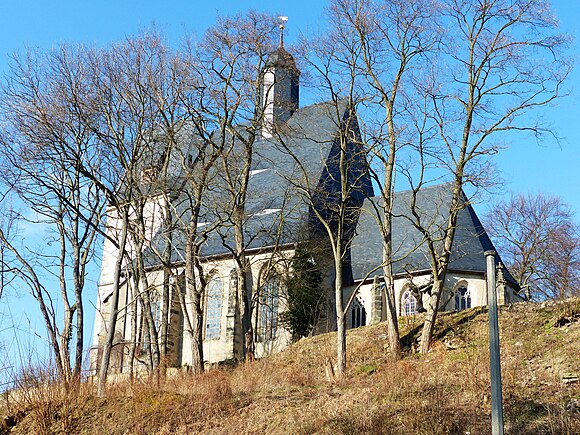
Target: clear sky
526 165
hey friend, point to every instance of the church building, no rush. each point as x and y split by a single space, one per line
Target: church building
295 152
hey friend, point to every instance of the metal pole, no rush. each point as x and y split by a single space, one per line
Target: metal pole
494 355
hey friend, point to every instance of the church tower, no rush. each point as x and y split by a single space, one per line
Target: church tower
280 88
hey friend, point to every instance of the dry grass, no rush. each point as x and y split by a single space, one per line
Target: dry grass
444 392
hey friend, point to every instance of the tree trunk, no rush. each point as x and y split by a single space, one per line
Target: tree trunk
108 345
165 296
439 263
68 314
387 193
431 316
340 318
131 295
146 303
244 285
392 318
78 280
195 289
198 364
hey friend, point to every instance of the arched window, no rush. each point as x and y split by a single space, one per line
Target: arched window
155 304
358 314
269 298
408 304
213 311
462 298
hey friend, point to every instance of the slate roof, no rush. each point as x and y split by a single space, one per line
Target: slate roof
310 134
274 203
280 57
409 249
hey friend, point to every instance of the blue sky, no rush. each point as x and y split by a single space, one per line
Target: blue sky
526 165
44 24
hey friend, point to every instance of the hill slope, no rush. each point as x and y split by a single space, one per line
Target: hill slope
446 391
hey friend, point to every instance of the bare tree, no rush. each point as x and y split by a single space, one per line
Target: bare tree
335 194
214 124
42 143
503 59
335 197
394 40
195 221
540 243
89 121
232 56
139 87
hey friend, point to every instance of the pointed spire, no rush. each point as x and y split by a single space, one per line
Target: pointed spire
280 86
282 25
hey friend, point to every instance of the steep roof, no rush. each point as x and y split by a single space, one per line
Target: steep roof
280 57
409 248
275 211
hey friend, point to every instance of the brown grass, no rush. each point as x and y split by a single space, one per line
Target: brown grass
444 392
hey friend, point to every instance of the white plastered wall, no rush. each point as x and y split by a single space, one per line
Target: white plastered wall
475 283
153 214
220 349
215 350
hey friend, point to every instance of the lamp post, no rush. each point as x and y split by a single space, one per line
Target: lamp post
494 355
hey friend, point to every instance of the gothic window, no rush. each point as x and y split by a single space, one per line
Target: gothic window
462 298
408 304
269 299
358 314
214 308
155 304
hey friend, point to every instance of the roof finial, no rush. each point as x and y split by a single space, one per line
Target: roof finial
500 274
282 26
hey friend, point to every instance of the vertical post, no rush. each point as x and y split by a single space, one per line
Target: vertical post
376 301
494 355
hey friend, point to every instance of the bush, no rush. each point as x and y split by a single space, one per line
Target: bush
305 297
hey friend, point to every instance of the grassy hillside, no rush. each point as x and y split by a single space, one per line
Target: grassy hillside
446 391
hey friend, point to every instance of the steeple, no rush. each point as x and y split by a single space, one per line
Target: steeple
280 87
282 21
